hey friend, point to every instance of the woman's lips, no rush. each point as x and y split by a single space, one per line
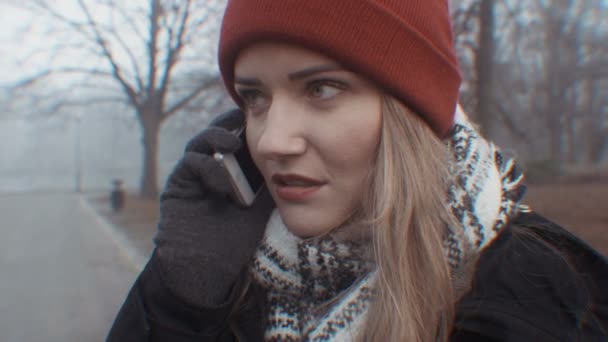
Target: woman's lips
295 188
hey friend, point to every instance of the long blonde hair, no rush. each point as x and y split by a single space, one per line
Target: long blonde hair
406 206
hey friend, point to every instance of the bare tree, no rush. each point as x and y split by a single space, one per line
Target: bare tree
475 33
539 70
157 56
484 65
573 68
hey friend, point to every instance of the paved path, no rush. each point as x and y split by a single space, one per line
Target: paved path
63 276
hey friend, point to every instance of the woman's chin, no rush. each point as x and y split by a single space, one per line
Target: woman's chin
304 231
307 226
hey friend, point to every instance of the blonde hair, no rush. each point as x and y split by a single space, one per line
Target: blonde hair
414 298
406 207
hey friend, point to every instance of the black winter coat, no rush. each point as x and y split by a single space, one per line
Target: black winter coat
535 282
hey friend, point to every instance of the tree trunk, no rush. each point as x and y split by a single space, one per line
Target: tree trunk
555 134
551 109
484 65
599 146
571 137
587 96
149 179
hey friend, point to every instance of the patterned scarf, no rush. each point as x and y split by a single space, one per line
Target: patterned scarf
319 289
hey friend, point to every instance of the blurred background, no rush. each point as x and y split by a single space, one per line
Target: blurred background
114 96
94 91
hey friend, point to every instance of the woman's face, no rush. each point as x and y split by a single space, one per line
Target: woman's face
313 129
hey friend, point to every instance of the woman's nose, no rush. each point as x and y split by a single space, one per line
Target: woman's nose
282 133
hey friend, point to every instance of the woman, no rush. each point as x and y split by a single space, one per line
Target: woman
369 228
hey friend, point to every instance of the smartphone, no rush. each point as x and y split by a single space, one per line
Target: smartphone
246 179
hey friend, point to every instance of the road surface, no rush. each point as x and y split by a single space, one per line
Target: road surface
63 274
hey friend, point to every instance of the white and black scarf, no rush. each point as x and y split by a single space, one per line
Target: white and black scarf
319 289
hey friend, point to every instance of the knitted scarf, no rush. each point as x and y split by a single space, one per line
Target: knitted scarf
319 289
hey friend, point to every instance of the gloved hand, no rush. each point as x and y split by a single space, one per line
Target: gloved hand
204 239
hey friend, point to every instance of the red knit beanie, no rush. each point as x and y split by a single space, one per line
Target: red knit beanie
404 46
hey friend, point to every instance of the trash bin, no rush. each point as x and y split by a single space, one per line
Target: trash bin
117 196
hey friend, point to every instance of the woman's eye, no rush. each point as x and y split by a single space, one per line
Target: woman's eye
252 99
323 90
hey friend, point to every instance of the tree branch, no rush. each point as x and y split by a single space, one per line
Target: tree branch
507 119
186 99
132 94
137 75
175 45
155 12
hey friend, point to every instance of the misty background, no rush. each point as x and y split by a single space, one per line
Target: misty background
95 90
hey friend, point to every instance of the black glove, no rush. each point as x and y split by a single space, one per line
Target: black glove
204 239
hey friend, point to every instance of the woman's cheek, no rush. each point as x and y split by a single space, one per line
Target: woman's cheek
252 138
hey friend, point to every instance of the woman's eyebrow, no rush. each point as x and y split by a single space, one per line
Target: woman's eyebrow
294 76
247 81
298 75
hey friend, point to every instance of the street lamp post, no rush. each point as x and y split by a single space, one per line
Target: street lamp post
77 156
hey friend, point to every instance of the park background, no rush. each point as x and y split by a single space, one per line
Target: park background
97 90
